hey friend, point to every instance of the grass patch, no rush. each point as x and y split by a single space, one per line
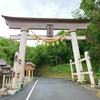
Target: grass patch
63 68
59 71
63 71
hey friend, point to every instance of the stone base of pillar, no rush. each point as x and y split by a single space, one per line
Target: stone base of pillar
94 86
2 89
11 92
81 81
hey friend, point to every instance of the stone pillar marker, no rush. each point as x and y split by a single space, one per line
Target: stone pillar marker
15 71
76 55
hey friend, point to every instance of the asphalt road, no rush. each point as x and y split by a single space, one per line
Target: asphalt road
52 89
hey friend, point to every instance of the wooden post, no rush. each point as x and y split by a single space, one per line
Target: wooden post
6 78
71 69
32 73
89 66
29 74
9 79
3 83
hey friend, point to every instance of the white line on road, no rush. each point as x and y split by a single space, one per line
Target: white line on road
31 90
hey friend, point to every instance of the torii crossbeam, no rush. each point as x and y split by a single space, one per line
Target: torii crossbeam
30 37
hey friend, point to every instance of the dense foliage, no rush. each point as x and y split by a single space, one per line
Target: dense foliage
51 55
39 55
91 9
7 49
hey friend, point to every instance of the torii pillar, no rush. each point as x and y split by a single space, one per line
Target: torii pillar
76 55
22 50
19 62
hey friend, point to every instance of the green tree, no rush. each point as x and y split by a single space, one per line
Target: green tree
91 9
7 49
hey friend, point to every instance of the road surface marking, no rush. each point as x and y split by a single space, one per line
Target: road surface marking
31 90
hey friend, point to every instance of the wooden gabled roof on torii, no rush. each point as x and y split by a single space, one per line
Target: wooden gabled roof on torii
57 20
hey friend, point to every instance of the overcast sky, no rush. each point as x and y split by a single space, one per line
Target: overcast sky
34 8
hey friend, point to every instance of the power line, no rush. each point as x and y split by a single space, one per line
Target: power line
74 7
60 8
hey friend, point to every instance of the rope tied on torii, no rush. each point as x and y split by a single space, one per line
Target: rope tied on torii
47 41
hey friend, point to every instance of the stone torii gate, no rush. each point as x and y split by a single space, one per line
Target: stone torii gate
48 24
